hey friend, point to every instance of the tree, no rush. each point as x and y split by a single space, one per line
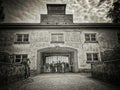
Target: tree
2 15
100 2
114 54
114 13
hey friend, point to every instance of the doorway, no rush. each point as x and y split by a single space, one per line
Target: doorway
57 63
57 60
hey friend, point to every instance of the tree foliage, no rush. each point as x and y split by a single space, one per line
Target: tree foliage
114 13
100 2
112 54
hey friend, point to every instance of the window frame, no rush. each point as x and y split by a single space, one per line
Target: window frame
57 36
56 9
89 38
24 39
92 57
21 58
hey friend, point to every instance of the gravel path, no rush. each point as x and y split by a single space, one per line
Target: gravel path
68 81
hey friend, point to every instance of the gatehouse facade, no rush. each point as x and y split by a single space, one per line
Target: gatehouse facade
57 44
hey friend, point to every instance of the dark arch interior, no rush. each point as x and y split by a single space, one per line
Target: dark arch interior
57 60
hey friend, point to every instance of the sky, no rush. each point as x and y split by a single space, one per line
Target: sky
29 11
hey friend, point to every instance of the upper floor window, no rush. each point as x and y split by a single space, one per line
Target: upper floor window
22 38
56 8
57 38
20 57
92 57
90 38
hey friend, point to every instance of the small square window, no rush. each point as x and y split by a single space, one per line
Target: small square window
90 37
19 38
25 39
60 37
57 38
22 38
89 57
93 37
53 37
87 37
92 57
20 57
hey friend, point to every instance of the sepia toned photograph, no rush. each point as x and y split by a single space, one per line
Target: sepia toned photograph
59 44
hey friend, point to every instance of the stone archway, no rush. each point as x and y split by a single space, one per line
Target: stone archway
73 53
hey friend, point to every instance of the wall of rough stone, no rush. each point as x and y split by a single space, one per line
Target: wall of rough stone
75 38
84 11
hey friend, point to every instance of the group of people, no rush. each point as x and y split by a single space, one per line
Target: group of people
59 67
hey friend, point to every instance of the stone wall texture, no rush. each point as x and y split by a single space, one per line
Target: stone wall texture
73 38
84 11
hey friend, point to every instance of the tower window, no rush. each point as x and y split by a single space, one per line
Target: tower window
56 8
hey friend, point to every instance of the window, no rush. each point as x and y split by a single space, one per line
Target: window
89 57
57 38
20 57
92 57
19 38
22 38
56 8
90 37
118 35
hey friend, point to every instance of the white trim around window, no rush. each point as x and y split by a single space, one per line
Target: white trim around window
22 39
57 38
92 57
19 57
90 38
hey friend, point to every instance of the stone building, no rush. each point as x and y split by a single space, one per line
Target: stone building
58 40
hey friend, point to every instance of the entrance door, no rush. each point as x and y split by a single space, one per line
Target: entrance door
56 64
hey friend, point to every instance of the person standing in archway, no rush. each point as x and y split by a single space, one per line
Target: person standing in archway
26 62
71 67
63 67
59 67
53 66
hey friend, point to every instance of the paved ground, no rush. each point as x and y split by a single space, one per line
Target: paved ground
68 81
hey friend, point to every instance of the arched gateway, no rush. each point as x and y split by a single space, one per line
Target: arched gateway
57 56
